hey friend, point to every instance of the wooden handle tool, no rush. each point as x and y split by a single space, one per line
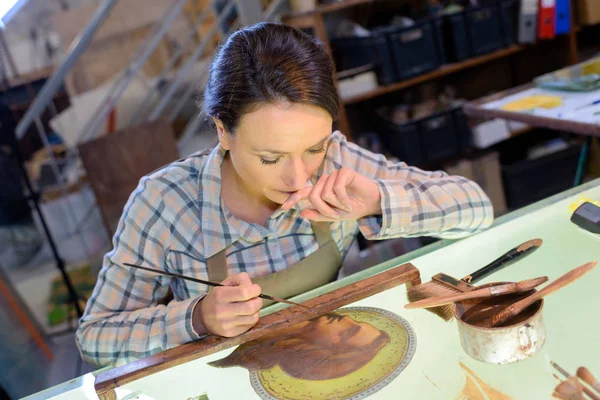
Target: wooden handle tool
569 389
498 290
510 257
518 307
585 375
446 285
565 390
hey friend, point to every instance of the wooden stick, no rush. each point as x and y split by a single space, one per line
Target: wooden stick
587 377
21 315
107 381
499 290
587 391
518 307
569 389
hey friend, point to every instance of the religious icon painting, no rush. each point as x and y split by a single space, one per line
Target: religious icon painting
348 354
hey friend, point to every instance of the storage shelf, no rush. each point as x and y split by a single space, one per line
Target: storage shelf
32 76
314 19
327 8
440 72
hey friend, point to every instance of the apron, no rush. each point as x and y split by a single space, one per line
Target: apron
317 269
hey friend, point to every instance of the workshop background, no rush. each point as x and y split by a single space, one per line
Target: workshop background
96 94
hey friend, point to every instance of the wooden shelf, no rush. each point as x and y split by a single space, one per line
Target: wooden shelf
314 19
440 72
327 8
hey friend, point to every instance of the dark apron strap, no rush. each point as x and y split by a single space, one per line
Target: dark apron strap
217 264
217 267
322 232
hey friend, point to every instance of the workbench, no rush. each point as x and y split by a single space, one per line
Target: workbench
437 369
578 113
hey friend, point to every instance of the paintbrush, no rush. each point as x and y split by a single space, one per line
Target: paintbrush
569 389
587 391
516 308
585 375
486 292
209 283
444 285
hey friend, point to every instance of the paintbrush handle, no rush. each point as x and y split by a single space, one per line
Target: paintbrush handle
518 307
189 278
587 377
443 300
569 389
491 291
587 391
508 258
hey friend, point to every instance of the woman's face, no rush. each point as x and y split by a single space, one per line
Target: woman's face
335 330
278 147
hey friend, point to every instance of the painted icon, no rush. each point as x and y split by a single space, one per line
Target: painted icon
349 354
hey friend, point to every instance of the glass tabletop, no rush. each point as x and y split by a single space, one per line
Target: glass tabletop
440 368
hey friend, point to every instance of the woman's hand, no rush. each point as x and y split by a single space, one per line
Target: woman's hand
343 194
229 310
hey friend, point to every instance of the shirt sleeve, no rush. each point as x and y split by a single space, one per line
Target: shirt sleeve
414 202
123 321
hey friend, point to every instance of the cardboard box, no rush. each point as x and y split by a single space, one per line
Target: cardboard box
588 12
486 172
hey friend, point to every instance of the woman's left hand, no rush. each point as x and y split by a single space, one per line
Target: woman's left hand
344 194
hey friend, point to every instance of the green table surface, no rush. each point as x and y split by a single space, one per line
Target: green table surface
571 317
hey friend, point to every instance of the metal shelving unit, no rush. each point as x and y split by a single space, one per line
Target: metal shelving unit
246 12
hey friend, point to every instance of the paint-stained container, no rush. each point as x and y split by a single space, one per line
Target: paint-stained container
516 340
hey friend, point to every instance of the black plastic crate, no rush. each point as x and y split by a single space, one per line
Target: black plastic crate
429 139
438 135
528 181
509 11
354 52
417 49
400 140
463 132
456 37
485 29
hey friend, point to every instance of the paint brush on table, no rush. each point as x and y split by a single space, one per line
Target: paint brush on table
445 285
568 390
209 283
516 308
585 375
483 293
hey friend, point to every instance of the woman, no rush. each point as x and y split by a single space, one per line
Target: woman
327 347
273 208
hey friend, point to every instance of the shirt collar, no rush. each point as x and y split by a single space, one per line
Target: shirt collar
216 233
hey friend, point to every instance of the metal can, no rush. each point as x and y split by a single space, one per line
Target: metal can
520 339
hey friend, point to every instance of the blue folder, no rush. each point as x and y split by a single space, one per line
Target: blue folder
563 16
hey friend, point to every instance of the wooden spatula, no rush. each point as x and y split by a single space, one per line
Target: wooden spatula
518 307
491 291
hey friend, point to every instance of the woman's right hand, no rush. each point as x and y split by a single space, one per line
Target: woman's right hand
229 310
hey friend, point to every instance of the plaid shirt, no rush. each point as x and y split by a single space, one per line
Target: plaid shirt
176 219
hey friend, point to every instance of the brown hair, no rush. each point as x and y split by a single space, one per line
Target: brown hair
301 358
265 63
